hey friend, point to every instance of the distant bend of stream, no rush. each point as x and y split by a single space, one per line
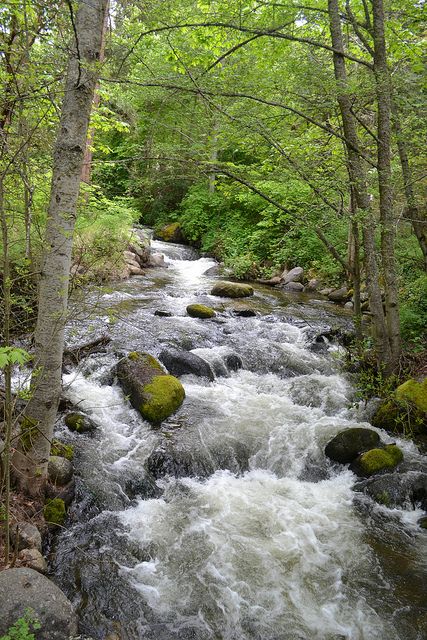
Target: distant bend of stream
228 523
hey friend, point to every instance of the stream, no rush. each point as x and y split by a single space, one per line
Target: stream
228 522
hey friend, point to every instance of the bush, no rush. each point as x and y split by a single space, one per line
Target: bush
413 312
22 629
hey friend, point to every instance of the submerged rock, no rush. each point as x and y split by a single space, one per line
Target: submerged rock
377 460
25 590
200 311
232 290
402 490
152 392
182 362
163 314
348 444
79 422
245 312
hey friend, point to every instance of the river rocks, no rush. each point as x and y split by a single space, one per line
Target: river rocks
200 311
297 287
294 275
24 589
60 470
151 391
232 290
401 490
244 312
348 444
312 285
26 536
270 282
163 314
406 411
213 271
33 559
171 233
377 460
79 422
340 296
184 362
414 392
157 260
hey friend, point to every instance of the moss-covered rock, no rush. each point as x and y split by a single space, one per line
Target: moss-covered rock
61 449
155 394
423 522
378 460
200 311
54 511
60 470
79 422
414 392
170 233
232 290
350 443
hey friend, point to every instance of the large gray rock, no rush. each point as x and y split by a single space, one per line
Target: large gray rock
232 290
293 286
179 363
339 295
294 275
60 470
22 589
26 535
347 445
156 260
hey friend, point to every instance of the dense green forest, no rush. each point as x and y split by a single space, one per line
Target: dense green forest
272 135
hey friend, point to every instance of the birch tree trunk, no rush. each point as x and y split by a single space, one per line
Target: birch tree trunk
83 69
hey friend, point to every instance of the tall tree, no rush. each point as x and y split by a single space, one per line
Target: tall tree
83 70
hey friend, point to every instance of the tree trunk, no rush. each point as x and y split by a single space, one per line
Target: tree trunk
358 179
31 461
388 223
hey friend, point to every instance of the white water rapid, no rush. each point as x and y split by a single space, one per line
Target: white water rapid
229 523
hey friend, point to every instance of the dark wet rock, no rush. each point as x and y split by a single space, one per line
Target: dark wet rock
26 536
213 271
244 313
298 287
401 490
24 589
163 314
233 362
377 460
64 492
340 296
294 275
151 391
232 290
170 233
422 522
79 422
60 470
200 311
348 444
179 363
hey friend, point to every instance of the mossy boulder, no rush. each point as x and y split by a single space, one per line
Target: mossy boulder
79 422
406 411
61 449
200 311
348 444
378 460
152 392
60 470
171 233
54 511
232 290
414 392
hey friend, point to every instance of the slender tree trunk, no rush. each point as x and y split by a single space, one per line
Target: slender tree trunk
358 179
412 212
387 219
31 461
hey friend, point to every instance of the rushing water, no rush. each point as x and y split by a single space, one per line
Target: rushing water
229 523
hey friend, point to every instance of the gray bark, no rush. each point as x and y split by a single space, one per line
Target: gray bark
31 461
357 172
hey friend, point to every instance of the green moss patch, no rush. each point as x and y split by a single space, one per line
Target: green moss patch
232 290
377 460
200 311
62 450
415 392
165 394
54 511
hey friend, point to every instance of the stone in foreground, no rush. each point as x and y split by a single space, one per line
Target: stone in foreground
378 460
200 311
350 443
232 290
152 392
25 589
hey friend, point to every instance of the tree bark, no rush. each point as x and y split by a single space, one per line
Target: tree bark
387 219
83 68
357 173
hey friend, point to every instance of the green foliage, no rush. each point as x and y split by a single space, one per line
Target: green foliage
413 312
13 355
54 511
22 629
